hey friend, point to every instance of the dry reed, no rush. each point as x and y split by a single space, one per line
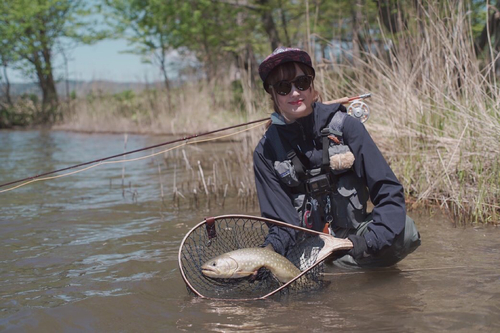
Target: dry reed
435 116
220 174
196 107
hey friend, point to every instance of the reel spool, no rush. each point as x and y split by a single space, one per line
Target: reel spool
359 110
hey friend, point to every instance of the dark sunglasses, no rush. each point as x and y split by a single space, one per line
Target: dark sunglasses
302 83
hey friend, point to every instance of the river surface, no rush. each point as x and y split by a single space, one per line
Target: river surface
86 253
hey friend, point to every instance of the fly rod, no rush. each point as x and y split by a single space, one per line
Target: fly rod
343 101
132 152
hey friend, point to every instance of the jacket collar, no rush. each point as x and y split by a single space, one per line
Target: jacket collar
278 119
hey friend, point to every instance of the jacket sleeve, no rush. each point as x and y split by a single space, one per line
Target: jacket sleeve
275 201
386 192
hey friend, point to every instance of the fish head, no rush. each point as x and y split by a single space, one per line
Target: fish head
222 267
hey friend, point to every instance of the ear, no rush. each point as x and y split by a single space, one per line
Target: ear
317 96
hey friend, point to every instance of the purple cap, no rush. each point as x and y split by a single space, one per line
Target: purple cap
280 56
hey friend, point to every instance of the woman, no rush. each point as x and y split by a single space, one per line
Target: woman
316 167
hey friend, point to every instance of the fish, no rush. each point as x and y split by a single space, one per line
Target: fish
247 261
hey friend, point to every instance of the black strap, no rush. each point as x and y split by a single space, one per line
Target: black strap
325 165
300 169
282 153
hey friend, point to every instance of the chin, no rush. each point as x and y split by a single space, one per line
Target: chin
301 111
296 113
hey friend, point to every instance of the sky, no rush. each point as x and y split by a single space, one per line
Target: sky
102 61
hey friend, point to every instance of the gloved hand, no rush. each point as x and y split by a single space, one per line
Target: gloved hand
263 273
359 246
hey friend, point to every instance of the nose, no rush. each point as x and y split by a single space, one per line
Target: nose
294 90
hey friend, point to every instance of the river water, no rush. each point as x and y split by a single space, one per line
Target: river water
86 253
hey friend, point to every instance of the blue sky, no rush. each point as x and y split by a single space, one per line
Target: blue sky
102 61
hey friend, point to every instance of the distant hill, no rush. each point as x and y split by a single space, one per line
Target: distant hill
82 88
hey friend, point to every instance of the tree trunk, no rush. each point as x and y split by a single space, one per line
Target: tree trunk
285 25
47 85
46 80
419 8
266 16
391 15
166 80
356 19
493 27
7 86
246 60
50 99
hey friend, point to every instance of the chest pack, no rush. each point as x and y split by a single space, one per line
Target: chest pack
329 195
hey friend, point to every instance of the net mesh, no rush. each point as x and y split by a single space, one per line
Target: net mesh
225 234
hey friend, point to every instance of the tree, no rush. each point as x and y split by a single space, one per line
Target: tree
266 14
35 28
210 30
6 58
215 30
150 26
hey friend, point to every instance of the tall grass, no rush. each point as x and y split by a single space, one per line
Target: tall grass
435 112
195 107
203 177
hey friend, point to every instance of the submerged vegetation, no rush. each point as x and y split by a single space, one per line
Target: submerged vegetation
435 106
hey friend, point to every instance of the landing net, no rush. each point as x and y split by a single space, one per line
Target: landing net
215 236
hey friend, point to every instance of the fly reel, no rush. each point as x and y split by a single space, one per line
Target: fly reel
359 110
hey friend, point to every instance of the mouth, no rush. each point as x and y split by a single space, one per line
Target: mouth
299 102
208 270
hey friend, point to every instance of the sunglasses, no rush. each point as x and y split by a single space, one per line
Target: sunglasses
302 82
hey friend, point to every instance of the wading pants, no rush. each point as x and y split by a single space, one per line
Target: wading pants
404 244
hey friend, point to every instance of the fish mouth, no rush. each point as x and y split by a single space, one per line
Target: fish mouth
208 270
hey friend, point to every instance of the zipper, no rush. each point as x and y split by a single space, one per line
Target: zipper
302 131
303 135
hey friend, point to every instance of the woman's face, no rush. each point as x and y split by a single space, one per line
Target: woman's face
297 103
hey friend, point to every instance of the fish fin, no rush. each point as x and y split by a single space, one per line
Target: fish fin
332 244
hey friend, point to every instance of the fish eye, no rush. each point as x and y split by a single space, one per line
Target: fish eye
214 264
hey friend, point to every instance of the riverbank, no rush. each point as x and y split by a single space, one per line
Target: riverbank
444 150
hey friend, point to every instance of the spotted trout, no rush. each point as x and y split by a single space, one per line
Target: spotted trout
246 262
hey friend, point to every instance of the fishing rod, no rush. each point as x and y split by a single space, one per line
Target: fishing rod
132 152
357 109
345 100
